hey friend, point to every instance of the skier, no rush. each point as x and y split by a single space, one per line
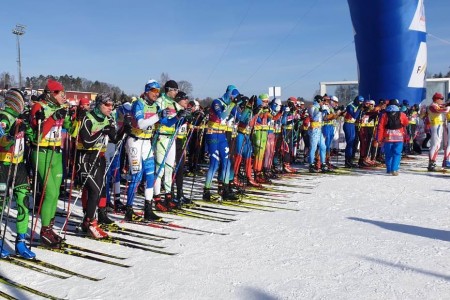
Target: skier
145 113
352 112
391 132
329 125
437 114
217 145
96 128
48 116
317 140
275 115
13 173
366 128
167 130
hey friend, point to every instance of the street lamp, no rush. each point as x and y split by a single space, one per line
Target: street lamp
18 31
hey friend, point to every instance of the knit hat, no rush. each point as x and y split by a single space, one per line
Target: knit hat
181 96
103 98
53 86
264 97
171 84
84 101
14 100
438 96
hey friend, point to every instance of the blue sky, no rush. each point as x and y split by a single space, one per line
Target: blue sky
253 44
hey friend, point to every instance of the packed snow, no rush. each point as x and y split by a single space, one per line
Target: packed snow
362 235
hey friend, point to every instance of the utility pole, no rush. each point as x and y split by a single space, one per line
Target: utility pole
18 31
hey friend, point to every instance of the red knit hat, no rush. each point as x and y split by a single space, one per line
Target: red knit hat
53 86
437 96
84 101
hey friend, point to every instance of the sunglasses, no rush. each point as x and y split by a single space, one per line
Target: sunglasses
108 104
155 90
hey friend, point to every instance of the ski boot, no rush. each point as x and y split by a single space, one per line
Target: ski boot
130 215
349 163
118 205
253 183
21 247
55 235
48 238
185 201
4 253
149 215
159 205
325 168
288 169
432 166
227 193
93 229
103 216
170 202
313 169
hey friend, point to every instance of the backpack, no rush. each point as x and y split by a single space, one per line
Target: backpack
393 120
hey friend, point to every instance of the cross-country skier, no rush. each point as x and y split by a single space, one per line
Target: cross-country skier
48 117
12 167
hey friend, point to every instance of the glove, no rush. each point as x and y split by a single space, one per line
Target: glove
72 111
163 113
39 115
182 114
286 108
325 108
19 126
256 110
60 114
107 129
127 120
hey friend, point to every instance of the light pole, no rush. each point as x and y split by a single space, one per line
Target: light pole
18 31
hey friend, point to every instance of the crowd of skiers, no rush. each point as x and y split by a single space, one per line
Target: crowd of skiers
162 135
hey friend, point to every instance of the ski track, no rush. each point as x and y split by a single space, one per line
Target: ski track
355 237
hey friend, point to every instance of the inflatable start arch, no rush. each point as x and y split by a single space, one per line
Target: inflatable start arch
391 50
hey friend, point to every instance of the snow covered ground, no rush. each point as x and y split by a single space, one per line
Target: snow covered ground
367 235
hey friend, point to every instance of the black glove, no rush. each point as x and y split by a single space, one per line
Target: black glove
39 115
127 119
257 109
182 114
163 113
60 114
107 129
72 111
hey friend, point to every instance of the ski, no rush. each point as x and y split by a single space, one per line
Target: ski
19 263
66 245
195 204
56 268
198 208
17 285
171 227
195 229
144 237
199 216
267 206
118 241
236 204
82 255
118 228
7 296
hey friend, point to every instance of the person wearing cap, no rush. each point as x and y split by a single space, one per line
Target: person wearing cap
48 117
167 129
180 154
411 143
113 155
97 128
391 133
329 125
317 140
352 113
196 142
259 137
366 129
275 115
437 112
12 142
217 144
244 149
287 135
145 113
